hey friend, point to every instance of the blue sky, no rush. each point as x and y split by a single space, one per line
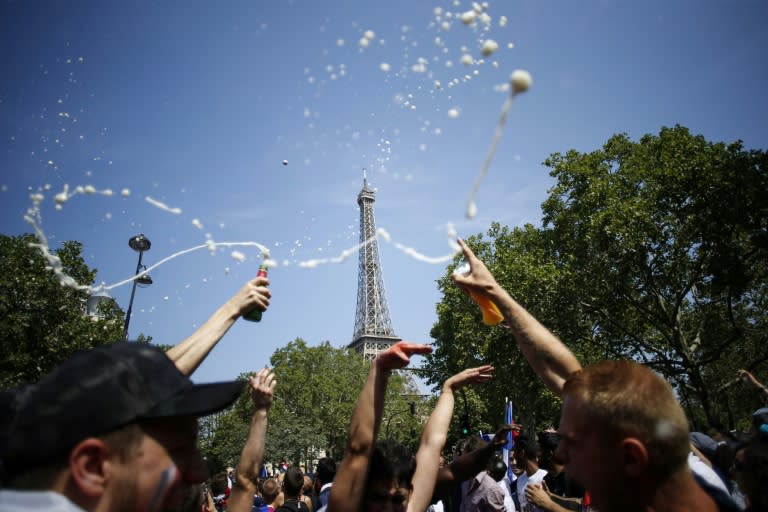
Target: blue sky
196 105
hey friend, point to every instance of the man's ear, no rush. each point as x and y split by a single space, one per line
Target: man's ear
635 457
88 466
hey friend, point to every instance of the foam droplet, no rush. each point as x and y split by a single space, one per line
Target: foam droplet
471 210
489 46
520 80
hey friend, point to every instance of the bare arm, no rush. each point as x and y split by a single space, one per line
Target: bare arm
349 484
748 377
188 354
470 464
262 387
552 361
435 434
540 496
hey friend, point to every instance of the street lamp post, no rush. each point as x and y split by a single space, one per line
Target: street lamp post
138 243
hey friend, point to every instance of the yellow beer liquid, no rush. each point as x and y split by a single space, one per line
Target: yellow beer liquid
491 313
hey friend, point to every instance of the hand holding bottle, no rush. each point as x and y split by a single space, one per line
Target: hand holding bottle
254 315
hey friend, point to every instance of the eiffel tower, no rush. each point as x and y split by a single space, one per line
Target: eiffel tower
373 327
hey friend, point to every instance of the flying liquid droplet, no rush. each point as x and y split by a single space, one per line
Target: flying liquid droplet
521 81
489 46
285 162
471 210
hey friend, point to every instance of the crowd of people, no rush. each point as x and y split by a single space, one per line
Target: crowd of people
115 428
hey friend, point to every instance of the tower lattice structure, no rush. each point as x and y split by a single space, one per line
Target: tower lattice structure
373 326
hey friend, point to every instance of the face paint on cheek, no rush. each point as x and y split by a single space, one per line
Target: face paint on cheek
168 477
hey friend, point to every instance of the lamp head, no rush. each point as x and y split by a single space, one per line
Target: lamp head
139 243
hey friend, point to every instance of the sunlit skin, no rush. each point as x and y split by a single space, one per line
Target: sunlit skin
387 496
587 457
167 443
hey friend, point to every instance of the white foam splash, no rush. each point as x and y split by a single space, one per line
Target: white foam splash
65 195
163 206
520 81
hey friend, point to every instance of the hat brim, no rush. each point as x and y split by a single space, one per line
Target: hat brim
198 400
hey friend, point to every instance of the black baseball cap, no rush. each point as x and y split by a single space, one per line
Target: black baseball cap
96 392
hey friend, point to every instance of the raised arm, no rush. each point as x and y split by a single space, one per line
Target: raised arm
552 361
748 377
435 434
262 387
470 464
188 354
349 484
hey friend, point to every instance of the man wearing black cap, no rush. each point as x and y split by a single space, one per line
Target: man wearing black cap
113 428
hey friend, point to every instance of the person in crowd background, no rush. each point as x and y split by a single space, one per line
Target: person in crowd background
498 471
292 487
324 475
619 413
375 476
558 492
262 388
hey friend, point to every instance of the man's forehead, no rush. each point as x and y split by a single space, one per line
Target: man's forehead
571 414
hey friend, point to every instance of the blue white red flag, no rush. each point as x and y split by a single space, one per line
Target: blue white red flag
510 440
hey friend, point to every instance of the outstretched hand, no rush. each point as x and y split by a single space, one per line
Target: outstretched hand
399 355
470 376
262 388
500 439
479 278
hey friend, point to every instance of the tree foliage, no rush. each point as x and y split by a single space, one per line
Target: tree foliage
316 393
317 390
42 323
519 260
656 251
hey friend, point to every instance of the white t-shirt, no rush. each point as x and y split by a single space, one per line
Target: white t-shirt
509 503
522 482
25 501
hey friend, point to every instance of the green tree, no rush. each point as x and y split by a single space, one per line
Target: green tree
519 259
653 250
666 243
316 393
42 323
222 435
318 387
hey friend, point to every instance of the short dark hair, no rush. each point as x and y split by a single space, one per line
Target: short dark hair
497 469
270 488
392 461
527 445
293 482
548 441
218 483
326 470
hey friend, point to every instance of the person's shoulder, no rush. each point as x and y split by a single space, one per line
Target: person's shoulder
293 506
